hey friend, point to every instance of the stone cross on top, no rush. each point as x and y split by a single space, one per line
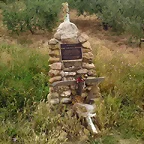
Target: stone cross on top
66 11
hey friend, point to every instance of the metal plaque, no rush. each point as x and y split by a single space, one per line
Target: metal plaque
71 52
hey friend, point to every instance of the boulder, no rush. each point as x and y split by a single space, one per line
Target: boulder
66 30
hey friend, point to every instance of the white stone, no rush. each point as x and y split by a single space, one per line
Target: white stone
56 66
54 101
82 71
66 93
68 73
65 100
67 30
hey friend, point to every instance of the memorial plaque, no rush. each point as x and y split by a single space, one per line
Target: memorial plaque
71 52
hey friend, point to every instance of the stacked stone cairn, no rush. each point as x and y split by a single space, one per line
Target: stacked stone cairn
68 33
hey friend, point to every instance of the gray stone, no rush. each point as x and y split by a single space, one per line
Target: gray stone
53 73
66 93
65 100
53 41
88 66
54 101
54 79
82 71
68 73
83 38
56 66
67 30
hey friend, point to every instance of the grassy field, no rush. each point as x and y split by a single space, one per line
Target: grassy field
25 117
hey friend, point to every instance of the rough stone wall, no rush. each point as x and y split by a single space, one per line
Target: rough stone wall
68 33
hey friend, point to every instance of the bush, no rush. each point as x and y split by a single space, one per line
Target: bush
23 79
31 15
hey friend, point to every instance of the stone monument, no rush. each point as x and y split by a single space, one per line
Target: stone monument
72 71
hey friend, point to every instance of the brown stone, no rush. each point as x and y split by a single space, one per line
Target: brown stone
82 71
56 66
53 95
88 66
83 38
53 73
53 41
87 45
70 40
54 59
56 78
55 53
91 72
57 36
54 47
88 55
86 50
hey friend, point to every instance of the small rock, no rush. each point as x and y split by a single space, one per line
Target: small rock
66 93
54 53
88 55
68 73
53 73
70 78
56 78
86 50
88 66
91 72
53 95
74 92
70 40
57 36
54 59
82 71
84 95
87 45
83 38
54 101
56 66
53 41
54 47
65 100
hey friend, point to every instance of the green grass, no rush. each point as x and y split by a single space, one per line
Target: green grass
25 116
23 78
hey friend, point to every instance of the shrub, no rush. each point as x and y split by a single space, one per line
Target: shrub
31 15
23 78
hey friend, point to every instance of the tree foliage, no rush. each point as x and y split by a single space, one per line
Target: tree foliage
31 15
122 16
